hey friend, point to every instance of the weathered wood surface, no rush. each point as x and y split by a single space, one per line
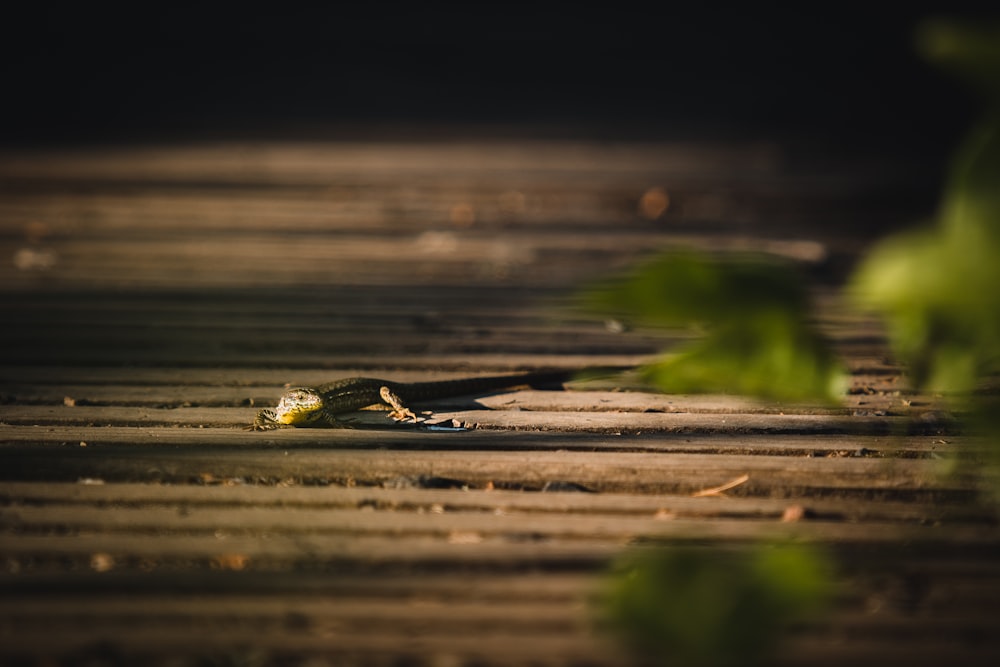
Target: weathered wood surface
154 299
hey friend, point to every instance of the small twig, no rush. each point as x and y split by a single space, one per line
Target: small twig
718 490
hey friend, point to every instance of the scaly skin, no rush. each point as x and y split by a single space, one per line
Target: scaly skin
320 406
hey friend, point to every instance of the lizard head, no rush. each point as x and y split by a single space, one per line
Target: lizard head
299 407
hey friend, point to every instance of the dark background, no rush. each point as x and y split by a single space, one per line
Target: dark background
846 76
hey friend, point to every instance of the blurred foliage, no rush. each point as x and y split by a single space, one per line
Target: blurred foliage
939 288
753 312
939 291
967 50
680 606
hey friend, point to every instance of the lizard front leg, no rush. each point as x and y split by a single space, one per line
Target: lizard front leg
399 411
266 420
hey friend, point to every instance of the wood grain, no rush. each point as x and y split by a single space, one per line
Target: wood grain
155 297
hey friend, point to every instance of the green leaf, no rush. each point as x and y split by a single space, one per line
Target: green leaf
682 288
681 606
939 288
753 314
970 51
770 356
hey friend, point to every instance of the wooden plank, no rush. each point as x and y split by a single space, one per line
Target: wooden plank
591 401
495 585
296 533
859 436
213 494
495 648
404 369
366 614
323 551
233 546
382 617
347 306
385 619
229 367
413 163
140 646
139 427
615 471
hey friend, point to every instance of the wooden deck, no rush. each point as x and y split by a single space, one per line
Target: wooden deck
154 299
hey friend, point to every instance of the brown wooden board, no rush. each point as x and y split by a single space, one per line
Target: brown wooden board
155 298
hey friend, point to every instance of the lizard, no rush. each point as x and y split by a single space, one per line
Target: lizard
321 405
